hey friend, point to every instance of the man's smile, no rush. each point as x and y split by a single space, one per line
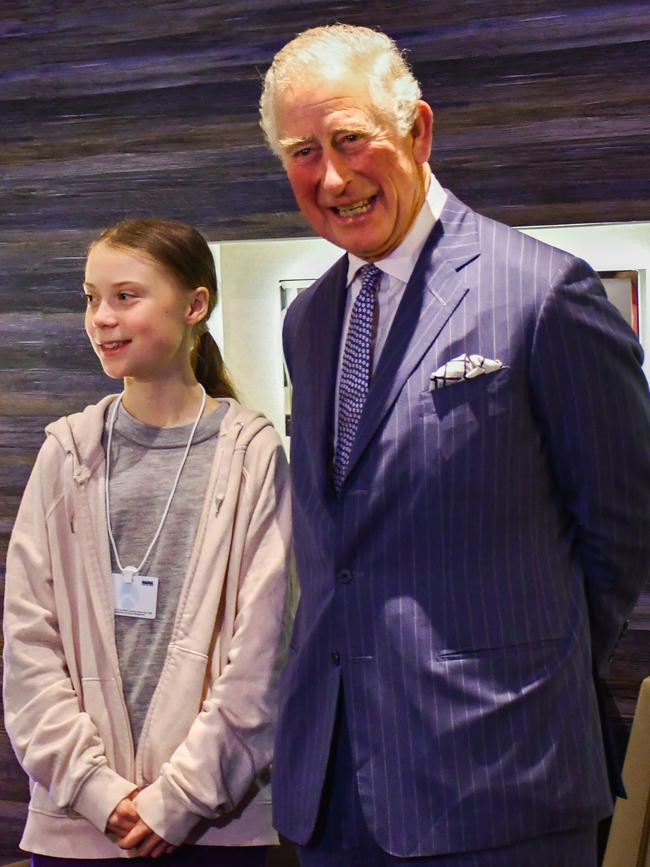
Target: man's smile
355 209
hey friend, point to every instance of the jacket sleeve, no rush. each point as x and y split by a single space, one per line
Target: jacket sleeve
593 407
56 743
229 744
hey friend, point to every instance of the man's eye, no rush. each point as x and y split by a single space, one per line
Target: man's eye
302 152
352 138
88 297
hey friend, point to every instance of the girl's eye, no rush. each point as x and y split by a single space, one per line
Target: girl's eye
125 296
88 297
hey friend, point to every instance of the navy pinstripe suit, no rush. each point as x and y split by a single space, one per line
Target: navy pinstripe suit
488 543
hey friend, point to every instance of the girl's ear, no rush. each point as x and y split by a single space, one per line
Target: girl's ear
198 305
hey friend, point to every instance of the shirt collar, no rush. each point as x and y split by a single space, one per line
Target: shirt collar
401 262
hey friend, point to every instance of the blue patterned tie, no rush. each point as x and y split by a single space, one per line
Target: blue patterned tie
355 369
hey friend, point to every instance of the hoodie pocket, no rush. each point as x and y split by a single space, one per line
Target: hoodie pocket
175 705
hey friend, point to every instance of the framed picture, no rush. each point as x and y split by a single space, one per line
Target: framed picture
622 289
289 291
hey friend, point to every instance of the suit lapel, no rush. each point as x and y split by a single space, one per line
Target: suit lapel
321 339
432 295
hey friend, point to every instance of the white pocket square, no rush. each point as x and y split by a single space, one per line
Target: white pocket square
461 368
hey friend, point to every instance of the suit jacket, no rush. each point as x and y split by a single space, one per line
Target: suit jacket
488 543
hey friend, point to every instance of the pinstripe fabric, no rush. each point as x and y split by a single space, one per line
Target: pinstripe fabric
342 839
488 536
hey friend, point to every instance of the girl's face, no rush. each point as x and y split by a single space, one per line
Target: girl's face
138 320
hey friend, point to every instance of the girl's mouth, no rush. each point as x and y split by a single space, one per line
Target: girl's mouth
112 346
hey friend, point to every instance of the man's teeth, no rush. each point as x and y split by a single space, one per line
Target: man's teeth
355 209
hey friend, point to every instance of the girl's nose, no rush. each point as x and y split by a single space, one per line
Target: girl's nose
103 315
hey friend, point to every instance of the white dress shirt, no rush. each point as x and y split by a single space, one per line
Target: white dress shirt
397 268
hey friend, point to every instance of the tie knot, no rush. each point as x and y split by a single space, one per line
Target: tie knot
370 276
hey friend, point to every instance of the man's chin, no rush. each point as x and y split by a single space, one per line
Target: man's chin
358 242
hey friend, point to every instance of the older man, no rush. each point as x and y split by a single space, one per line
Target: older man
471 476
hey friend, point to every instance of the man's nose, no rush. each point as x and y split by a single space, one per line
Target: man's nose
336 173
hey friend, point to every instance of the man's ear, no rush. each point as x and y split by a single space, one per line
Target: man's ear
198 306
422 132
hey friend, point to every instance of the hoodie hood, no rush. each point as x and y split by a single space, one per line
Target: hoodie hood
80 434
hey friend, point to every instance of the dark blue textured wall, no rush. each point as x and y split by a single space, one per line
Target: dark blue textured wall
121 107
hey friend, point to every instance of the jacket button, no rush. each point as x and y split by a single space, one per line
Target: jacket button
336 657
344 576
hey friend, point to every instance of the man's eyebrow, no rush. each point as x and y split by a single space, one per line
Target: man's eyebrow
288 144
360 128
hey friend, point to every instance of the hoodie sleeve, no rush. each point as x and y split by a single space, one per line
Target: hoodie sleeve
230 742
56 743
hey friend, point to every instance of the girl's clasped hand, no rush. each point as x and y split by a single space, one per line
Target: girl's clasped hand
132 833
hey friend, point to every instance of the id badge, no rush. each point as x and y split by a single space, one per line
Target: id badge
137 597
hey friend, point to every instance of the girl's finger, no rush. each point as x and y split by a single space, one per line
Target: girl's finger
146 848
159 849
136 836
119 826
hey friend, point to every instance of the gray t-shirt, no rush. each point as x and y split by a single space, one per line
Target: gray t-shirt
144 463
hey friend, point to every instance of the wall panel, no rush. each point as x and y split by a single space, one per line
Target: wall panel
115 108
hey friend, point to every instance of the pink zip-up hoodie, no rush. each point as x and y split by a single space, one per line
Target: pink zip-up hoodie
202 764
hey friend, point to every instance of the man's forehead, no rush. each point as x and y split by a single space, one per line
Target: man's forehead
318 91
302 110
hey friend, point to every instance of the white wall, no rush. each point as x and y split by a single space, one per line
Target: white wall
216 320
249 275
247 323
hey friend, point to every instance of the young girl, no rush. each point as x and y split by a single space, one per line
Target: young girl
146 582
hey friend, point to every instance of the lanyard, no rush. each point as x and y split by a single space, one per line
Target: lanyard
129 572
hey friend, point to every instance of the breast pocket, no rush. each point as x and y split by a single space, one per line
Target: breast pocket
466 410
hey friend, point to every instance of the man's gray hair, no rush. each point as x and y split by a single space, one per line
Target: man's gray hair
393 88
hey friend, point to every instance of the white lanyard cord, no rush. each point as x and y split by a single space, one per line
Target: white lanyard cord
111 424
